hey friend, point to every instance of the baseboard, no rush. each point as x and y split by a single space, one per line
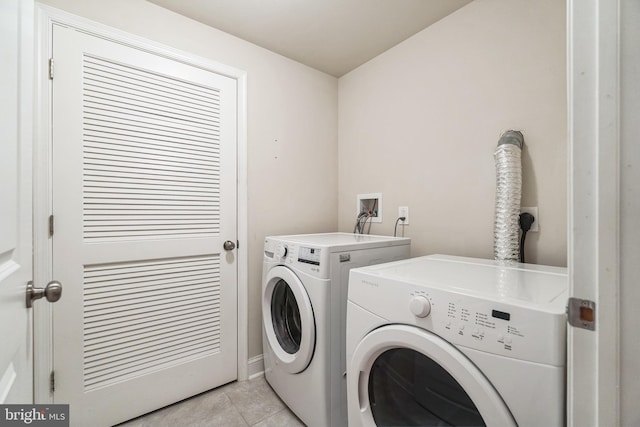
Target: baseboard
255 367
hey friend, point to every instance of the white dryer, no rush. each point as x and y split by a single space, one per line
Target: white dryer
442 340
304 298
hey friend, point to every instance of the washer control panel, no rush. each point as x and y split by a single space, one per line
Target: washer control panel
309 259
280 252
309 255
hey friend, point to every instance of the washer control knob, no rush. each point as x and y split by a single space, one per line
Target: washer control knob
420 306
281 251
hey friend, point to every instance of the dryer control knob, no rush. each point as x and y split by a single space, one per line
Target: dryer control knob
420 306
281 251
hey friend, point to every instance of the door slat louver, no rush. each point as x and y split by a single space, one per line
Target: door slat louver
146 315
151 155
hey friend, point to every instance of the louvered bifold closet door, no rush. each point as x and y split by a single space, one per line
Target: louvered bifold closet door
144 194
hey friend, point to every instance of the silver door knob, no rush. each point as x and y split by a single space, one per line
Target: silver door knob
229 245
52 292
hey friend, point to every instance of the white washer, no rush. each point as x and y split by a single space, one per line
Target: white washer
304 298
442 340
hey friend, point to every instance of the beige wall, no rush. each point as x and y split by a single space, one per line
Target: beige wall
629 213
292 127
420 122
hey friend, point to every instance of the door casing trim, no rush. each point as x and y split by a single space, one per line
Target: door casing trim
46 17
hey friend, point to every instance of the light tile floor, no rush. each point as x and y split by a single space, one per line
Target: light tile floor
240 404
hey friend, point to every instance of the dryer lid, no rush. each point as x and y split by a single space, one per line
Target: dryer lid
543 286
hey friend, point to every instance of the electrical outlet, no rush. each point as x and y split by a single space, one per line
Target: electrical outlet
404 211
536 220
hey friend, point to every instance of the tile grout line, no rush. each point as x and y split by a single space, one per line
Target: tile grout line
235 406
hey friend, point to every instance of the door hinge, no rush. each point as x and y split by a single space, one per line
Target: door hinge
52 382
51 68
581 313
50 225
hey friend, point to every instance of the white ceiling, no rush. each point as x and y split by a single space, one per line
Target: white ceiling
334 36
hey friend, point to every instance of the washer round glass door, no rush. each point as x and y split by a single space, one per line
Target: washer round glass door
288 319
404 375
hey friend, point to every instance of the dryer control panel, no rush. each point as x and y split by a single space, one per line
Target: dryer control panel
509 318
473 322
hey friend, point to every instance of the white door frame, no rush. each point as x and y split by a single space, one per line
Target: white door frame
46 17
593 373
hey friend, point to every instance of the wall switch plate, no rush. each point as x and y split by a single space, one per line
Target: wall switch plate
533 211
404 211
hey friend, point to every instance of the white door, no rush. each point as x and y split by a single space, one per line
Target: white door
403 375
144 198
15 201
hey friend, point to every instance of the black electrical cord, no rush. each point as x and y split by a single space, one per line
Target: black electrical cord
526 219
522 238
395 229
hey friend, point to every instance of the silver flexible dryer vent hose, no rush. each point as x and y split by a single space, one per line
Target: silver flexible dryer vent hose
506 245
